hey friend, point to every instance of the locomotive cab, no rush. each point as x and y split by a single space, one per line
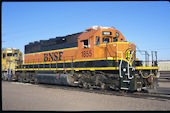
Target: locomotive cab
108 44
11 59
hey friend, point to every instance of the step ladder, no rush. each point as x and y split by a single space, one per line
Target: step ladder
125 85
126 78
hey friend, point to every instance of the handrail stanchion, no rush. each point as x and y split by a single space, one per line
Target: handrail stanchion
120 65
128 65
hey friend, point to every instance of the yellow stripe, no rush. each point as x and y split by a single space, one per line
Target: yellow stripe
53 50
76 69
92 69
146 68
117 43
81 60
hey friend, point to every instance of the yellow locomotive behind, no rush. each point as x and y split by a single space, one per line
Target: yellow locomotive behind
11 59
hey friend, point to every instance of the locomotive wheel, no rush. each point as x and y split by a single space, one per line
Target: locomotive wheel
4 77
103 86
20 79
36 81
81 86
85 85
9 79
32 80
27 79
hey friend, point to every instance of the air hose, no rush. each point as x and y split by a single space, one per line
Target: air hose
148 75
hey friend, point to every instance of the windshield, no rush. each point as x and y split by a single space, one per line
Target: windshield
15 54
9 54
105 40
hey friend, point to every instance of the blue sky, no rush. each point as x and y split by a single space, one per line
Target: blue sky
147 24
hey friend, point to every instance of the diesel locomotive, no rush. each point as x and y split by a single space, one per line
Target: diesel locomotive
99 57
10 59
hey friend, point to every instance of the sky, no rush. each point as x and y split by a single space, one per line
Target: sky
145 23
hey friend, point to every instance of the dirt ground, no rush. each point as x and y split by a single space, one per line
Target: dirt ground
20 96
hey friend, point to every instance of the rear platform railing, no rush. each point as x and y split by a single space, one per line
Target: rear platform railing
147 60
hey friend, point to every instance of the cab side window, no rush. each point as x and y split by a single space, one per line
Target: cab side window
122 40
105 40
97 40
114 39
3 55
9 54
15 54
86 43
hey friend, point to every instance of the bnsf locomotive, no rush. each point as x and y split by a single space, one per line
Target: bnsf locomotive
99 57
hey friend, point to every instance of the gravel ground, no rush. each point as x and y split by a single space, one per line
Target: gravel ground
19 96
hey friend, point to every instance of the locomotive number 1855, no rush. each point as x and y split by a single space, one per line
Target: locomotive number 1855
86 53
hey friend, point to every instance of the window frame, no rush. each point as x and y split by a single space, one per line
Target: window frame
88 43
105 39
3 55
97 40
114 40
15 54
10 55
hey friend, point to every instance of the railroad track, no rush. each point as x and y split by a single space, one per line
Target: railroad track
154 95
164 76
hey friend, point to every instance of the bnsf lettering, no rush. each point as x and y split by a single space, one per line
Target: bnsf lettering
60 55
54 56
51 57
45 57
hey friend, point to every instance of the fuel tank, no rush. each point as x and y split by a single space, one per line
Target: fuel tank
50 77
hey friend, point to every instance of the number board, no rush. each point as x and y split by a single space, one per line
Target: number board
106 33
